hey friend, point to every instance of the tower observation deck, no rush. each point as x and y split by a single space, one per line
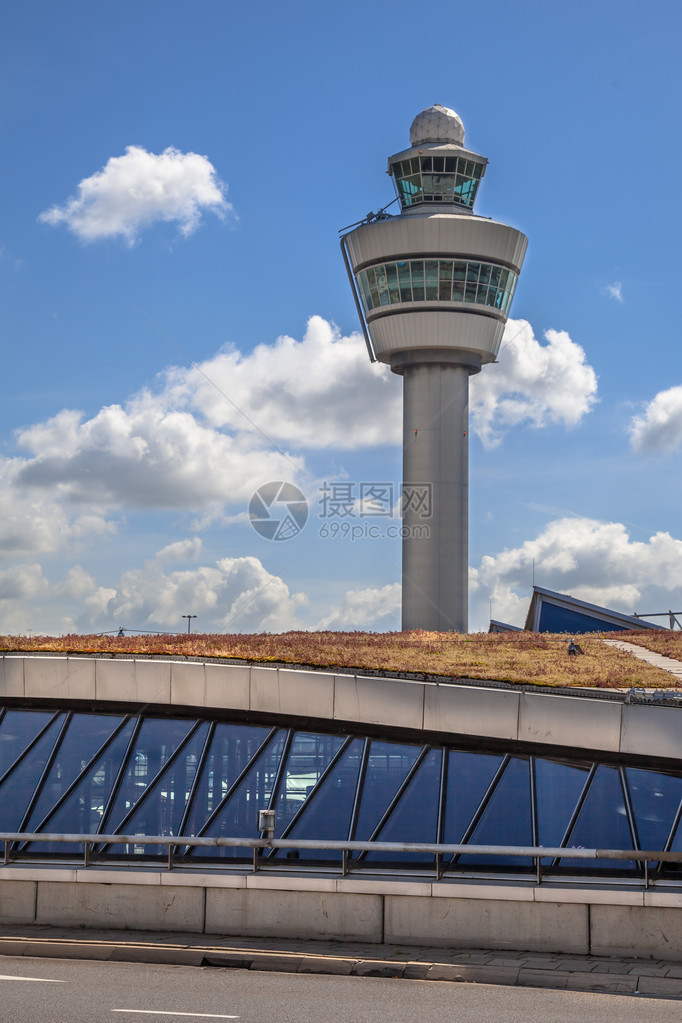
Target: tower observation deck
433 286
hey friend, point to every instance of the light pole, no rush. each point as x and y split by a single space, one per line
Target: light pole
189 622
433 287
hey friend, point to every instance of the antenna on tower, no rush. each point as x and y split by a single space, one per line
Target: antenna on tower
371 217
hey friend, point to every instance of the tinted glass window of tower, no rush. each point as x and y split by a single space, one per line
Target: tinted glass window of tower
437 179
433 280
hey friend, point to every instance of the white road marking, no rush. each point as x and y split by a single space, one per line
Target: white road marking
36 980
162 1012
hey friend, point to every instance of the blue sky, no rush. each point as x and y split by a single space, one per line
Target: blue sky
173 183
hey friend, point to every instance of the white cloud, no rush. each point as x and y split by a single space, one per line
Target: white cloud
146 456
181 550
33 522
19 586
533 383
369 609
615 291
208 437
77 585
659 428
592 560
184 446
21 582
234 595
138 189
320 392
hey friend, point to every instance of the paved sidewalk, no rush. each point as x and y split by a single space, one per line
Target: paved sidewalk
658 660
606 974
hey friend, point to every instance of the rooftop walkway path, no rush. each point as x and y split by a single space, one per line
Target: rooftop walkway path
606 974
658 660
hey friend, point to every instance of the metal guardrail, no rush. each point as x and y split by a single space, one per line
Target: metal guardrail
174 842
653 696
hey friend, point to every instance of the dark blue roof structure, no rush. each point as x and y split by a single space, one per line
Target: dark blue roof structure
496 626
550 611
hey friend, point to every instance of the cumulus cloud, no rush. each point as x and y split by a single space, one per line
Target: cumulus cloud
138 189
535 383
21 582
370 609
20 585
181 550
34 522
320 392
145 455
186 446
203 439
77 585
233 595
659 427
594 561
207 437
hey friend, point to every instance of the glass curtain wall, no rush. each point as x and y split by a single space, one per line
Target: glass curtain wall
84 773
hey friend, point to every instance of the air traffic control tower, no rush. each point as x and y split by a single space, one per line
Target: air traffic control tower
433 287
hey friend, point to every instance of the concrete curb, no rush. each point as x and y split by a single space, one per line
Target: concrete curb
602 980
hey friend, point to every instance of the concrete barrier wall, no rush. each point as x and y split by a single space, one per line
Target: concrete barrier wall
577 722
490 923
294 914
541 918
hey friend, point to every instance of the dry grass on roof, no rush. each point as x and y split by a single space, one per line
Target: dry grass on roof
527 657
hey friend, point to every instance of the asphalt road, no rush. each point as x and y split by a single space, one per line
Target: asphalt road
67 991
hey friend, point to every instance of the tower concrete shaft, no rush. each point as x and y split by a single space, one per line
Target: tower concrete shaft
435 471
433 287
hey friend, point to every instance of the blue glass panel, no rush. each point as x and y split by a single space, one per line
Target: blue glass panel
18 729
558 788
405 280
18 788
239 817
560 619
655 801
81 812
468 780
327 814
506 819
676 846
232 747
364 290
309 756
387 768
162 807
415 818
156 741
85 735
602 822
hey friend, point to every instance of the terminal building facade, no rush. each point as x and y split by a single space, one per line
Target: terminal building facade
147 748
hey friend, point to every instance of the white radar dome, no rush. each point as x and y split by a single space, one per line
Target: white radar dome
437 124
